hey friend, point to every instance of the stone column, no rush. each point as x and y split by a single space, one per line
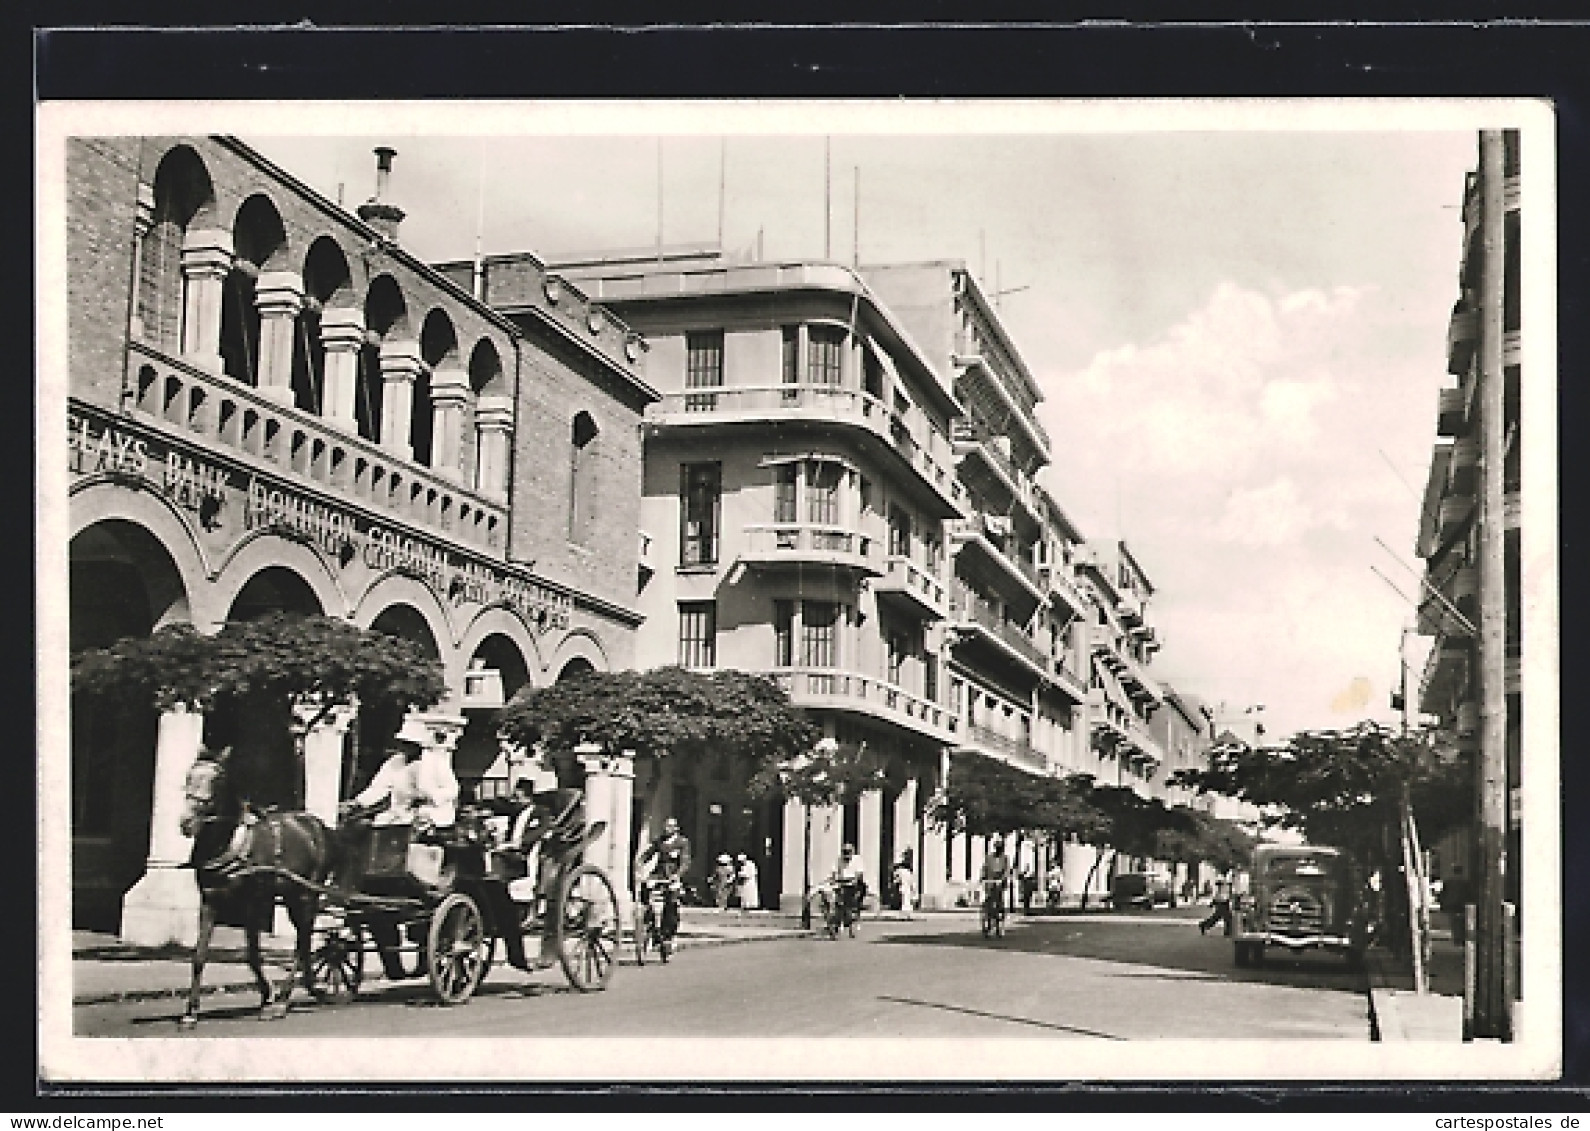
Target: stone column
449 394
143 221
278 296
905 830
400 367
789 900
206 262
323 749
342 335
163 906
494 422
609 787
930 869
869 842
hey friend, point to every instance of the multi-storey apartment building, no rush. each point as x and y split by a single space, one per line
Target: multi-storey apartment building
799 472
274 406
1017 658
1486 318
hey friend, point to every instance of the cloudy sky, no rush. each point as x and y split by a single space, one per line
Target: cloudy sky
1239 332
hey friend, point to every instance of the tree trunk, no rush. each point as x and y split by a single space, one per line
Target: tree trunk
1087 884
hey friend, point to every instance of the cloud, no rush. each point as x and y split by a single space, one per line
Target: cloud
1272 515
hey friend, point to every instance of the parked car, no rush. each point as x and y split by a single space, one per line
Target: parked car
1140 889
1301 898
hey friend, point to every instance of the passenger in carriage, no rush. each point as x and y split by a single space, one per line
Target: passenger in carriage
416 786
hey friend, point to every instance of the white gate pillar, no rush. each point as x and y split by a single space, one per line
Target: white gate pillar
163 906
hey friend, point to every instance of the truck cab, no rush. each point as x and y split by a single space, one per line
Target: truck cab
1301 897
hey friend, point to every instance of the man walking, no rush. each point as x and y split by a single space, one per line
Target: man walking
1222 905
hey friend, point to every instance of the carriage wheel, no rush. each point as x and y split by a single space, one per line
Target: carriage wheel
586 926
336 968
456 950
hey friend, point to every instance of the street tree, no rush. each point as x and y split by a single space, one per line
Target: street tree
826 773
1351 789
267 682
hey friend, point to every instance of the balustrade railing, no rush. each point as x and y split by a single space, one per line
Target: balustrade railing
817 687
969 607
223 413
904 574
794 539
822 401
1014 748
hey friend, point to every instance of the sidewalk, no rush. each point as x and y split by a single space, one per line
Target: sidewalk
105 969
1397 1013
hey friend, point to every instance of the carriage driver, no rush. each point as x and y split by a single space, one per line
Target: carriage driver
418 787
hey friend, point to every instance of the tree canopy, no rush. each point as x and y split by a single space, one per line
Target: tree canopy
1343 787
984 796
663 710
281 655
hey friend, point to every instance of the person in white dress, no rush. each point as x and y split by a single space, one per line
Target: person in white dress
746 880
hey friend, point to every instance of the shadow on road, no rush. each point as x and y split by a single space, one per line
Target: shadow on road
1169 944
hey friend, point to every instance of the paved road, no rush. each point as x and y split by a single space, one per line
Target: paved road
1102 977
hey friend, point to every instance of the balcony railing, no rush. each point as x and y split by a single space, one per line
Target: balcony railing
986 739
976 530
970 437
969 609
1058 576
814 401
1461 334
1067 680
1143 745
845 690
1451 411
904 577
295 444
810 544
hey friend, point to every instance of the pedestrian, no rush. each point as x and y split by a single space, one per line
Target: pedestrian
905 883
723 881
1029 886
746 878
1056 883
1221 904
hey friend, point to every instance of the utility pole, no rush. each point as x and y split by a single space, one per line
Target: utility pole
1491 1008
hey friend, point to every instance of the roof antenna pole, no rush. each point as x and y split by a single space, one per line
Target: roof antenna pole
723 163
855 243
659 200
478 289
828 204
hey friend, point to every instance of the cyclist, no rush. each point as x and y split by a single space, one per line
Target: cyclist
996 870
671 853
848 883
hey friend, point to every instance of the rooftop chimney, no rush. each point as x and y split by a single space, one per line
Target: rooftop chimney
379 213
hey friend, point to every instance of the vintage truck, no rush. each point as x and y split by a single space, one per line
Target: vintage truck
1300 897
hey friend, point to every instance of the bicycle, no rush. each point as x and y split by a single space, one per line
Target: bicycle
657 918
842 908
993 910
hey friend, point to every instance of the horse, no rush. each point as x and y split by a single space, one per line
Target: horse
245 862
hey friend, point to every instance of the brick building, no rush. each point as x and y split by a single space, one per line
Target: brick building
274 406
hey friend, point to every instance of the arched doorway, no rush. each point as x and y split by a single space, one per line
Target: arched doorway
378 722
260 729
575 667
476 758
123 583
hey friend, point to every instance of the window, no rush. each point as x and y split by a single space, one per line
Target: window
871 375
784 489
698 634
930 677
783 633
791 355
701 494
703 369
899 648
582 478
819 634
822 493
899 532
825 347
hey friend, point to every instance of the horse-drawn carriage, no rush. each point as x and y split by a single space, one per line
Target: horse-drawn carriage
450 901
447 898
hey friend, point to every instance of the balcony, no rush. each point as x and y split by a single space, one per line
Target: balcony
913 588
189 404
1138 683
1462 333
1455 513
1129 607
1142 747
1106 722
966 356
1451 412
1057 575
1073 685
982 619
1020 575
734 405
985 740
804 544
874 698
1464 467
972 441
